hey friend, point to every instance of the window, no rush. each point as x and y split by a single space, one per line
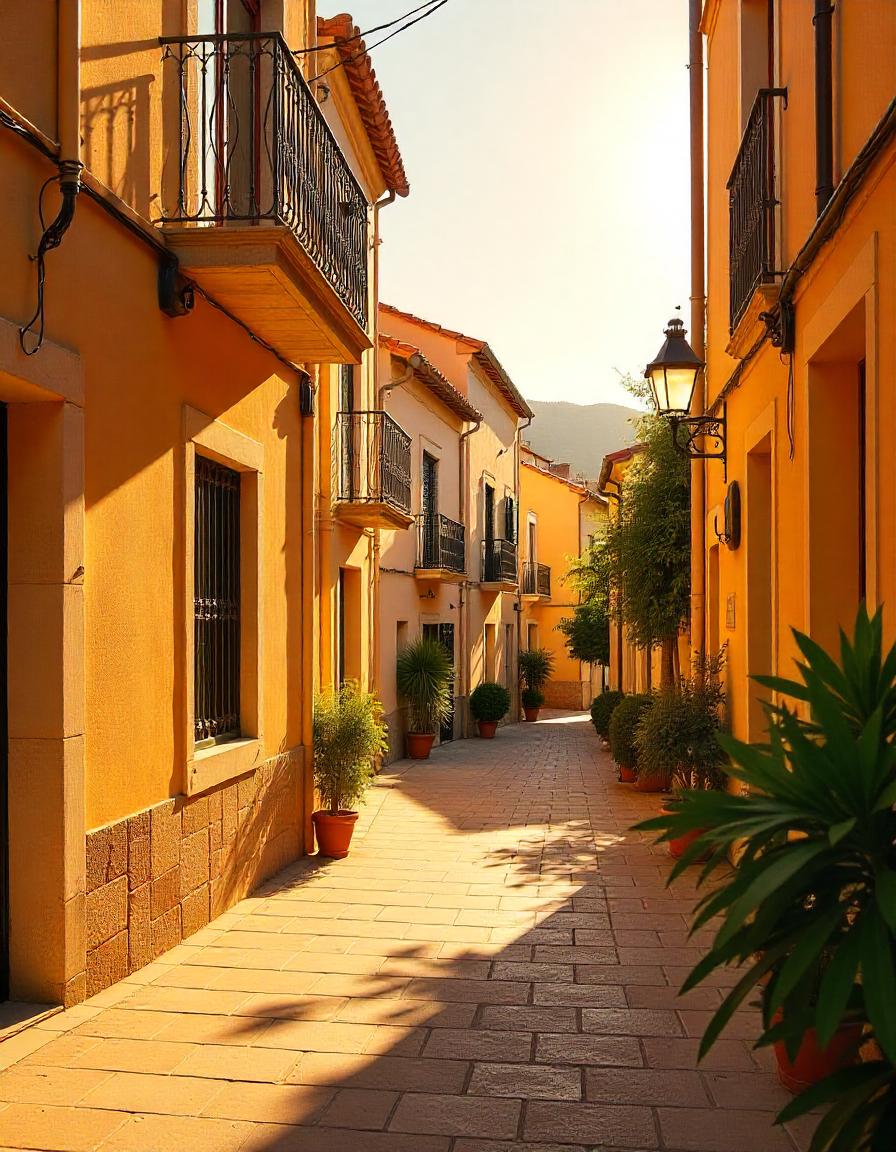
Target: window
532 636
509 662
510 519
216 600
757 52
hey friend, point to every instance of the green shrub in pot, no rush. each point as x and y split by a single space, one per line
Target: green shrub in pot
623 725
349 736
489 702
811 907
602 709
423 674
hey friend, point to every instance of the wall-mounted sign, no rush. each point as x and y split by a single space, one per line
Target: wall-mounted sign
729 612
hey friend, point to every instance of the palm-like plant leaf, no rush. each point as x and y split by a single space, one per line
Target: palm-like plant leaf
814 889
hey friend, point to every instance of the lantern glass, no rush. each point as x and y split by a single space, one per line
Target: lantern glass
680 388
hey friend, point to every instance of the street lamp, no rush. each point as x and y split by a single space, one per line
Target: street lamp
673 377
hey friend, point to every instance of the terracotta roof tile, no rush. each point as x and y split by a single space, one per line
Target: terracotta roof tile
368 96
438 384
486 359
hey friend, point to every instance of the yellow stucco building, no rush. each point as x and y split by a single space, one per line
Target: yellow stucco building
558 517
801 339
172 549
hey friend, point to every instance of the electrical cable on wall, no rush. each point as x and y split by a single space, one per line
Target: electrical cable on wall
369 48
361 35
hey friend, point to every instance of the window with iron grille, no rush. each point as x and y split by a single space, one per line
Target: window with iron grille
216 602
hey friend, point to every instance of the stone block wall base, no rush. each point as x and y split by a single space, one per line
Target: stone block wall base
565 694
155 878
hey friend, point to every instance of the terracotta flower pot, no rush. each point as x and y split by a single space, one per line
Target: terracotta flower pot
531 714
654 783
487 729
419 745
627 775
678 845
334 833
813 1063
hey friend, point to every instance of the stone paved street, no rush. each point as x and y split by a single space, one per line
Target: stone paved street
493 969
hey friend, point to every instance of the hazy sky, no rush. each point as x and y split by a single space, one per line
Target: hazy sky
546 144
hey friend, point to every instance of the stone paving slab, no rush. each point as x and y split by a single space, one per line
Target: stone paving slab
494 968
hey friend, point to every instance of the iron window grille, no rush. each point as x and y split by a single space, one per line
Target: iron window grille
254 145
216 602
753 206
441 543
371 460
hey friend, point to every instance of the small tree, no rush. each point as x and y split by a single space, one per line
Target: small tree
647 547
349 736
587 633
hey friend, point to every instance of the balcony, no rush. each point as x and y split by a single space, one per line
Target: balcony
536 583
441 549
499 566
371 471
259 203
753 207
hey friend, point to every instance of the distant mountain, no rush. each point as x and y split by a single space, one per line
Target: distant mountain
580 434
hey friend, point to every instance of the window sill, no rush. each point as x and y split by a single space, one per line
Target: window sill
212 766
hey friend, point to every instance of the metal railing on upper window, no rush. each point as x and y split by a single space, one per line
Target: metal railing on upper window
253 145
753 206
499 562
216 601
371 460
441 543
536 579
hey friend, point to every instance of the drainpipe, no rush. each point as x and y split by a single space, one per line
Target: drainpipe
698 324
517 441
375 685
824 105
463 470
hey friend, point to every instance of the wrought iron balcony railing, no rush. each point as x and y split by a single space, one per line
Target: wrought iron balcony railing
499 562
254 145
371 460
441 543
753 206
536 579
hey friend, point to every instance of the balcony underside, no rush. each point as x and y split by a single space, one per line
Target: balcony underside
498 585
261 274
440 575
534 597
372 514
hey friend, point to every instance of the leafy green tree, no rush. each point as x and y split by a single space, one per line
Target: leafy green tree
587 633
647 546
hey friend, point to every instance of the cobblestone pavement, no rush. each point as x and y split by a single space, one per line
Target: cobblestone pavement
493 969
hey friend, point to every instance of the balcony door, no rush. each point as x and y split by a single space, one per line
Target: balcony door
346 432
4 734
430 486
229 146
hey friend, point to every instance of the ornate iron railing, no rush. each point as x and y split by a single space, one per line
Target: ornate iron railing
254 145
441 543
753 206
536 579
371 460
499 561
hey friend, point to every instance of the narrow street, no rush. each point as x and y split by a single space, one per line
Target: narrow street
493 969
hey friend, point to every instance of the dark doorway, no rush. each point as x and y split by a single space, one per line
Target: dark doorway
4 734
444 633
489 514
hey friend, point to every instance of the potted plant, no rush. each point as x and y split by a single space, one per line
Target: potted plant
623 724
349 735
677 739
602 709
662 742
535 666
489 703
812 901
423 674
